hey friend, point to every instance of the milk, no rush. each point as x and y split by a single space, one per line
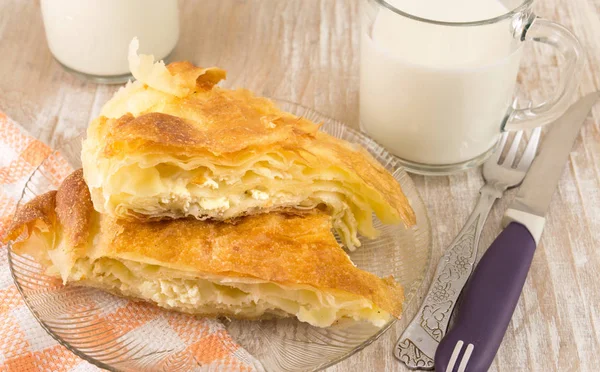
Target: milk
437 94
92 36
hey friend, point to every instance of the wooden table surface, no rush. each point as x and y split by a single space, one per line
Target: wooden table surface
307 51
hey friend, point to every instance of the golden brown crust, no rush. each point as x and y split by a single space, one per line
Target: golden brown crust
74 208
216 121
39 211
205 78
277 247
274 247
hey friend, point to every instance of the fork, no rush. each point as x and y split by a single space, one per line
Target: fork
417 345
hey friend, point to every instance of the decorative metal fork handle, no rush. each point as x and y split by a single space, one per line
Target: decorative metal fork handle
416 347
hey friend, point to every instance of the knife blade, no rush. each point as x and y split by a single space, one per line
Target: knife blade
536 191
490 297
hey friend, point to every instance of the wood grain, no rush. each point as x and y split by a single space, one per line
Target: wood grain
307 51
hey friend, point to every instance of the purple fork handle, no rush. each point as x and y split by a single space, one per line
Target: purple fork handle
488 302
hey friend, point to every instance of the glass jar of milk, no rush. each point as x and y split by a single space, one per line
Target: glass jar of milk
438 77
91 37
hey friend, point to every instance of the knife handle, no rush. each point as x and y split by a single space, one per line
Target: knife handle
488 302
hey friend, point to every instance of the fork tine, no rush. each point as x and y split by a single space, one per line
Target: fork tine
512 152
530 150
500 147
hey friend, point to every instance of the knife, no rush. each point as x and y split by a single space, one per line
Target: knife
490 297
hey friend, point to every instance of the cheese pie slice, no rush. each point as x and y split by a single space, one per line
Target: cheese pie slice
257 266
173 144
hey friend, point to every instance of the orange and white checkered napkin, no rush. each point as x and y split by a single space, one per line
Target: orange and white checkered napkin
24 345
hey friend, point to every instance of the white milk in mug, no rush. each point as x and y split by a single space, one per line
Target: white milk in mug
92 36
434 94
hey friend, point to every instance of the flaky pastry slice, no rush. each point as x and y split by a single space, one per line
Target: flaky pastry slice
173 144
260 266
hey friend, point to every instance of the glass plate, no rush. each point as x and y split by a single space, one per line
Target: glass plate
280 344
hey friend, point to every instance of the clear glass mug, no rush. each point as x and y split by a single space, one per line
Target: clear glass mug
437 94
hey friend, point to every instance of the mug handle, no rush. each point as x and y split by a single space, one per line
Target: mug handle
544 31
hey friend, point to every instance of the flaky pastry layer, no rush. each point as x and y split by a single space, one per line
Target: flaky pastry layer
265 265
173 144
